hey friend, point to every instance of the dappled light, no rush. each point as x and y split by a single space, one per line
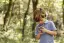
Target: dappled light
17 23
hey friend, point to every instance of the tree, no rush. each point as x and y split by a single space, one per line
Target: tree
63 11
35 2
7 13
24 20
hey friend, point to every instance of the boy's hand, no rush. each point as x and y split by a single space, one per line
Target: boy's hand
40 32
44 29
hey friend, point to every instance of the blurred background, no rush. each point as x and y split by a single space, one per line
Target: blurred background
17 24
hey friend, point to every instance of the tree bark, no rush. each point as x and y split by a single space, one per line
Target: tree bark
7 13
63 11
24 20
35 2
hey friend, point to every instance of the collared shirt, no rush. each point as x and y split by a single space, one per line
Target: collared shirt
46 38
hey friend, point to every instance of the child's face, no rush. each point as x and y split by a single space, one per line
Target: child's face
42 19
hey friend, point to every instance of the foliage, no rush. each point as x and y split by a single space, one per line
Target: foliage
12 32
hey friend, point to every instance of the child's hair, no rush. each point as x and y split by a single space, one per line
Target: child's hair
39 13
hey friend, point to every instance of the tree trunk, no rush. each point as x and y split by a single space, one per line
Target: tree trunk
7 13
35 2
63 12
24 20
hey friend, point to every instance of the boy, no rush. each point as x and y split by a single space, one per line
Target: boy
45 30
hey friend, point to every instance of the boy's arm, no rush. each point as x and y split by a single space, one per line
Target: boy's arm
38 35
50 32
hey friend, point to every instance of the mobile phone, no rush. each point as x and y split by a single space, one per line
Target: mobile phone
41 31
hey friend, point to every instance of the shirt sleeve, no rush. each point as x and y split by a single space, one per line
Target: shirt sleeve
52 26
36 30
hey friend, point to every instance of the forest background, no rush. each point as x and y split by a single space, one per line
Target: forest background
17 24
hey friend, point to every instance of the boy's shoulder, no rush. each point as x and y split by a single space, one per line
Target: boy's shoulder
49 21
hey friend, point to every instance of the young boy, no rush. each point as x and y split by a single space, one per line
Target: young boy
45 30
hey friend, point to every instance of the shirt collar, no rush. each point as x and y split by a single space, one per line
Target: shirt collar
46 21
